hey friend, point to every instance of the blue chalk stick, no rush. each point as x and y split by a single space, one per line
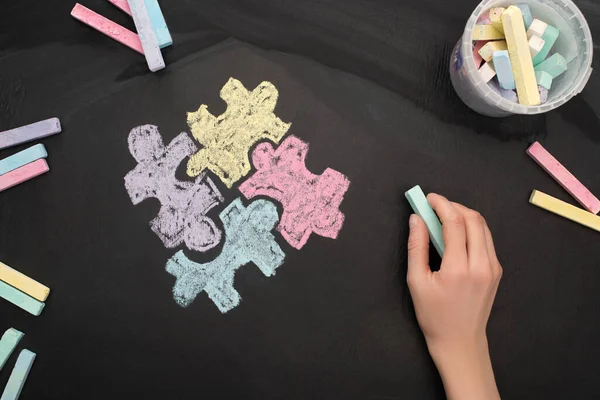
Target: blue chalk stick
158 23
8 343
550 36
504 70
527 17
420 205
21 158
19 374
20 299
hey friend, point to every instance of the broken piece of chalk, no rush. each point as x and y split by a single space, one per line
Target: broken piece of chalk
20 299
488 50
24 283
554 66
21 158
22 174
496 18
520 57
550 36
143 25
543 79
486 32
107 27
527 17
537 28
564 178
30 132
8 343
19 374
565 210
504 70
509 95
476 56
536 44
543 94
487 72
420 205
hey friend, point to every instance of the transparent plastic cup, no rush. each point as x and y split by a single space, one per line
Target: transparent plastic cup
574 43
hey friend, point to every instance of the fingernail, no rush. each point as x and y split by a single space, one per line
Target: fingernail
412 221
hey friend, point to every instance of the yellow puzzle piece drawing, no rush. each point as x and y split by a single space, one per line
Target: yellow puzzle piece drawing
227 138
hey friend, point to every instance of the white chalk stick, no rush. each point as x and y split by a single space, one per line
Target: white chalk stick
29 132
145 31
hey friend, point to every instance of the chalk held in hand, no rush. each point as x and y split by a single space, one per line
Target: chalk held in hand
8 343
504 70
27 133
564 178
19 374
420 205
518 48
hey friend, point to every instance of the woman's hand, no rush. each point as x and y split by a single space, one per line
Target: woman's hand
454 304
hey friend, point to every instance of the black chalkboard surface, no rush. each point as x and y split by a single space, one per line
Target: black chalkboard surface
366 85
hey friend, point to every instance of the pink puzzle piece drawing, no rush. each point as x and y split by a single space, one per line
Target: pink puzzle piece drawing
184 204
310 202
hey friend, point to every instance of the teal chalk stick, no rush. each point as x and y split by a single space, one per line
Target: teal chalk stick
543 79
554 66
20 299
527 17
550 35
158 23
19 374
420 205
8 343
21 158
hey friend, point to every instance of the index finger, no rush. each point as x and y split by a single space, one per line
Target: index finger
453 227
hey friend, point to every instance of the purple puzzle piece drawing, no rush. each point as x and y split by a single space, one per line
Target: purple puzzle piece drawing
184 205
248 239
310 202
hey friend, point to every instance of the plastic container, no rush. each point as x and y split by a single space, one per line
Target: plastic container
574 43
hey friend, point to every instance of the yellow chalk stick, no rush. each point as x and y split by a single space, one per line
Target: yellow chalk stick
496 18
24 283
487 51
486 32
566 210
520 56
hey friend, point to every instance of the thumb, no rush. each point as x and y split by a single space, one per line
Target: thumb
418 250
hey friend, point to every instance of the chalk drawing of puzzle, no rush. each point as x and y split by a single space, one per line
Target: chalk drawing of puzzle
311 203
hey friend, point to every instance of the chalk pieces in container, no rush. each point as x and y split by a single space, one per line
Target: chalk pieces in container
27 133
417 200
527 16
520 57
543 79
23 174
8 343
496 18
20 299
487 51
554 66
487 72
536 44
543 94
504 70
22 158
537 28
19 374
486 32
564 178
550 36
509 95
107 27
143 25
565 210
24 283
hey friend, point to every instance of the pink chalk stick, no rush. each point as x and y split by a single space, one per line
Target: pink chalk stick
23 174
561 175
106 26
476 55
123 5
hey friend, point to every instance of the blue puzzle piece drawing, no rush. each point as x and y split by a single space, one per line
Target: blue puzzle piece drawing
248 239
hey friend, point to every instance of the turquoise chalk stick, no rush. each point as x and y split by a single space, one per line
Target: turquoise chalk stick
8 343
420 205
550 35
158 23
19 374
543 79
554 66
527 17
504 70
21 158
20 299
